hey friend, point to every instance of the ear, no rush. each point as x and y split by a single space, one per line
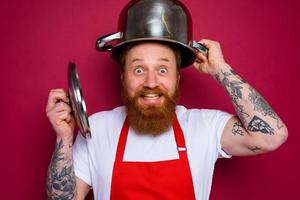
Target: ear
178 77
122 78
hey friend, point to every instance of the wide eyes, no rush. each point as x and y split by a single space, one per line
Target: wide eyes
163 70
139 70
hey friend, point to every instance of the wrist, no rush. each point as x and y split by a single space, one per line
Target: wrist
221 68
65 139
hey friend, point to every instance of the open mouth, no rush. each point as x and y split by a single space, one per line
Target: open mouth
151 96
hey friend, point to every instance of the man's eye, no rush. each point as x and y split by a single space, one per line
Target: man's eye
163 70
139 70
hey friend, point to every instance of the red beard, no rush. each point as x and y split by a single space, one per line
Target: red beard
150 119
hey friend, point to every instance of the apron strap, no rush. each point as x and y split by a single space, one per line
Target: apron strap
122 141
179 137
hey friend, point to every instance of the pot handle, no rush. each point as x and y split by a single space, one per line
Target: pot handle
101 42
199 47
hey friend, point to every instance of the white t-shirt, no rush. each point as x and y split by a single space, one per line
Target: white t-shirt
202 128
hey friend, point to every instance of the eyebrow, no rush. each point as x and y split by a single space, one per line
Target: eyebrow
164 59
160 59
136 59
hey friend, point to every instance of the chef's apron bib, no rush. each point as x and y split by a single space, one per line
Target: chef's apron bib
170 179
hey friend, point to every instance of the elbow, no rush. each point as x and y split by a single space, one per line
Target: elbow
285 134
280 137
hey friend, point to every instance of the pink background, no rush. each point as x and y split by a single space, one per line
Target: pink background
38 38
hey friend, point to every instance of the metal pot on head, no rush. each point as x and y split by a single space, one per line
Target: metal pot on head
166 21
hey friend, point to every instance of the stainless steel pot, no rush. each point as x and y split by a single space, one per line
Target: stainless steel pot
153 20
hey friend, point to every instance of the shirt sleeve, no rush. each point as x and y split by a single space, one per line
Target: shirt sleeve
81 159
221 120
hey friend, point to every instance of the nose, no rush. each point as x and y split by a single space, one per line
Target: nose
151 80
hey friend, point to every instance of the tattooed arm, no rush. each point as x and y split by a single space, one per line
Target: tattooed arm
256 128
61 180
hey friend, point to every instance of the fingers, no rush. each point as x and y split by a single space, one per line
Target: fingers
210 45
200 67
59 113
57 108
200 57
211 62
55 96
62 116
215 52
60 107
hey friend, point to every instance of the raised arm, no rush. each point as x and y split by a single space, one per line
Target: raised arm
61 180
256 128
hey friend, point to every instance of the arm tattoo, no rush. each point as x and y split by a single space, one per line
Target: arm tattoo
240 111
259 125
61 183
234 86
237 128
261 106
234 89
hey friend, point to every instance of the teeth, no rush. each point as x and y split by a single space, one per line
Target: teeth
151 96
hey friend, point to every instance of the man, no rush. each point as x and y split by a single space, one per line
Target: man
151 148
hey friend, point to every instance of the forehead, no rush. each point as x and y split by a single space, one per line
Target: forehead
150 51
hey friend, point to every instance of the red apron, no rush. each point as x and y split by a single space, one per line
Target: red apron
170 179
